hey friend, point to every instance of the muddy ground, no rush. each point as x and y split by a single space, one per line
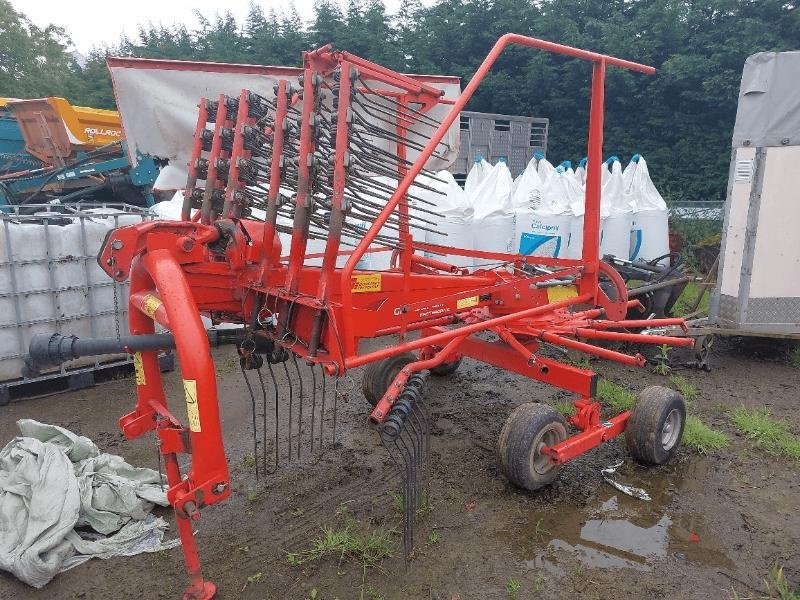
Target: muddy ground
715 525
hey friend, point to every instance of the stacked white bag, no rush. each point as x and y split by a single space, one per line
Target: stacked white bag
649 237
493 219
617 206
479 171
456 224
542 216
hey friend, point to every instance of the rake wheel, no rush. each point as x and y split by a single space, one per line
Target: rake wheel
529 428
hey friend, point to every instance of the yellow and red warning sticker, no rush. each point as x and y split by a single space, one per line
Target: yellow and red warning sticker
561 292
150 305
366 283
192 410
141 378
467 302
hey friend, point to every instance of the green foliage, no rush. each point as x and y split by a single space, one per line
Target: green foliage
662 358
688 297
687 390
513 587
768 433
778 587
346 543
614 395
701 438
680 119
433 538
794 357
565 407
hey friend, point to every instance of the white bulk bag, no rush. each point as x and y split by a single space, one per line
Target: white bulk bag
649 236
580 172
615 231
479 171
577 195
542 217
493 221
545 169
455 228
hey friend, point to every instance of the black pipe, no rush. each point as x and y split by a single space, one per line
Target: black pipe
48 350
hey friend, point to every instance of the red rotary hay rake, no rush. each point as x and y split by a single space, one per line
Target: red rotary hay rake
318 158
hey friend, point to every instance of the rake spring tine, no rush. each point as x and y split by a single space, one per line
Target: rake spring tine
335 406
300 405
322 407
313 403
253 406
409 495
291 401
275 384
413 462
264 425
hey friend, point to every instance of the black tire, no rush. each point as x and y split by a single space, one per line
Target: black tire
655 427
527 429
378 376
447 368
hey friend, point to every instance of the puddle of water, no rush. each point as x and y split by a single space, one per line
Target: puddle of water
620 531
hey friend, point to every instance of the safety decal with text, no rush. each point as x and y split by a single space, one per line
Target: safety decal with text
141 378
366 283
561 292
150 305
192 410
467 302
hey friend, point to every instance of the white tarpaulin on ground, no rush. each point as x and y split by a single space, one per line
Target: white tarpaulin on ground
53 485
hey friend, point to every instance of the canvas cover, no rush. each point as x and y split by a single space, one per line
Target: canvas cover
769 102
157 101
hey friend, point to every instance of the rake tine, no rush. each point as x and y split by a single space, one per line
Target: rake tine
313 402
291 401
322 407
300 406
264 425
275 384
253 406
335 406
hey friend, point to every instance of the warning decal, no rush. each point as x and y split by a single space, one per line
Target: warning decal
467 302
141 378
190 389
561 292
150 305
366 283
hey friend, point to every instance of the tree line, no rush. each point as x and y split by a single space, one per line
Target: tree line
681 119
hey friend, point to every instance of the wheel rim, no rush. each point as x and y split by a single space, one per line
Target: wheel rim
671 429
540 462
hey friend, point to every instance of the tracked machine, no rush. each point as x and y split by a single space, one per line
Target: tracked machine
312 162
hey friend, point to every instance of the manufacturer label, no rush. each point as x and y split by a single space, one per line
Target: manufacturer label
744 171
141 378
561 292
193 412
467 302
366 283
150 305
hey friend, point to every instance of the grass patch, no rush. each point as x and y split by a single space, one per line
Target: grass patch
778 587
615 395
346 543
433 538
687 390
701 438
794 357
513 587
689 296
565 407
770 434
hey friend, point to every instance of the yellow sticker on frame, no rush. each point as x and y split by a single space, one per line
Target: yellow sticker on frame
192 410
150 305
366 283
467 302
561 292
141 378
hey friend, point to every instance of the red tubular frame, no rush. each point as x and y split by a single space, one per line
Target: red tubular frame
176 272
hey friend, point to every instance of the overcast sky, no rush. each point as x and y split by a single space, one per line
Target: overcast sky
93 23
